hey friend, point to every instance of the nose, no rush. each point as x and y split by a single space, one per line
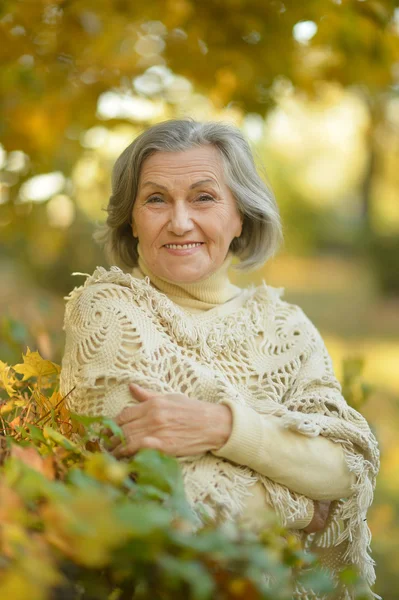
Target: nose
180 221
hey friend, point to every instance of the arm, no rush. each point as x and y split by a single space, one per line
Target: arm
257 507
258 512
287 446
312 466
98 342
102 350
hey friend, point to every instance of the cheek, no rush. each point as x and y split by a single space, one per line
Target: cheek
224 223
148 227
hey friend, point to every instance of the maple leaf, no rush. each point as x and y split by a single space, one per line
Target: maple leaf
7 379
55 399
35 366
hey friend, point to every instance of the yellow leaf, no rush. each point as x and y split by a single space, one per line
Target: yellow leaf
84 527
35 366
54 399
7 407
7 379
20 403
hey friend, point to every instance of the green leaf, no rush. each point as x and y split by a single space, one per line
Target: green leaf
349 576
149 492
318 581
87 421
143 519
157 469
60 440
30 484
192 572
36 434
213 542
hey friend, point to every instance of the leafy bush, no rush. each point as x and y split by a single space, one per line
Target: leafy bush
75 523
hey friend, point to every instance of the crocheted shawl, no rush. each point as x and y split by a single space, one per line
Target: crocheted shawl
264 353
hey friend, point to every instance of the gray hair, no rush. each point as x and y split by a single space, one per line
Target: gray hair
261 231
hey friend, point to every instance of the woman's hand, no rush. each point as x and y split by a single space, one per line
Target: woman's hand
321 510
173 423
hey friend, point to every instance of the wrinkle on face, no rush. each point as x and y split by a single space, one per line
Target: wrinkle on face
179 180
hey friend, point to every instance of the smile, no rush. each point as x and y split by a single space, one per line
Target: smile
183 250
181 246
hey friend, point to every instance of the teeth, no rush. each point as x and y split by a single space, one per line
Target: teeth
182 246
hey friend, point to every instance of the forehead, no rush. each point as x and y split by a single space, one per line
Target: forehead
203 159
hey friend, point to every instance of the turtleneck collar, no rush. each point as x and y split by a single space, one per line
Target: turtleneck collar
197 296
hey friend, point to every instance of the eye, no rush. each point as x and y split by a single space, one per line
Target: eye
154 200
205 198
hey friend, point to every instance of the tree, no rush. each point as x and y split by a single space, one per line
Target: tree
59 57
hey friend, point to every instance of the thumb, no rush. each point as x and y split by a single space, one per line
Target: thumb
139 392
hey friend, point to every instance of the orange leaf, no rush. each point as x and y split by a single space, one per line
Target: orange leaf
31 458
15 422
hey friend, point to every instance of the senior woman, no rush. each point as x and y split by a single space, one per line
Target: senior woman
235 382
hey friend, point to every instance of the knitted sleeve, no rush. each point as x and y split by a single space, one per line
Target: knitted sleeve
313 466
313 407
288 446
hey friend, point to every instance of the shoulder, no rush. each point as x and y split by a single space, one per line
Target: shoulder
106 281
103 288
287 318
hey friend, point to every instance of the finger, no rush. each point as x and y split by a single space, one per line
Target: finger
124 450
129 413
140 393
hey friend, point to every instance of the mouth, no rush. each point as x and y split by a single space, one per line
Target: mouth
183 246
183 249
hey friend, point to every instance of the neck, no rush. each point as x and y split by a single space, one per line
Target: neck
197 295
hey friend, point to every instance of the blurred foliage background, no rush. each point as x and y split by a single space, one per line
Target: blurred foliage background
314 85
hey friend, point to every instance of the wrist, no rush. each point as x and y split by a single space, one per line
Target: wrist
222 425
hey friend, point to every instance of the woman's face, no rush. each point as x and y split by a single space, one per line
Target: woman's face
182 199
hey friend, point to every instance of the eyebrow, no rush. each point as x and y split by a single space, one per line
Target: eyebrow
192 186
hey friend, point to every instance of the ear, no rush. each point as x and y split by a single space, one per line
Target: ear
134 229
239 230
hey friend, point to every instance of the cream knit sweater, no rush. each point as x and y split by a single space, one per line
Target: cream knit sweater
294 438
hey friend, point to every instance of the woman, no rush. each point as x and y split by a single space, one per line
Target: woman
235 382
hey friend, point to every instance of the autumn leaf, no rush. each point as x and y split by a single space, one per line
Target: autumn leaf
60 440
35 366
54 399
15 423
85 527
7 407
7 379
11 505
31 458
